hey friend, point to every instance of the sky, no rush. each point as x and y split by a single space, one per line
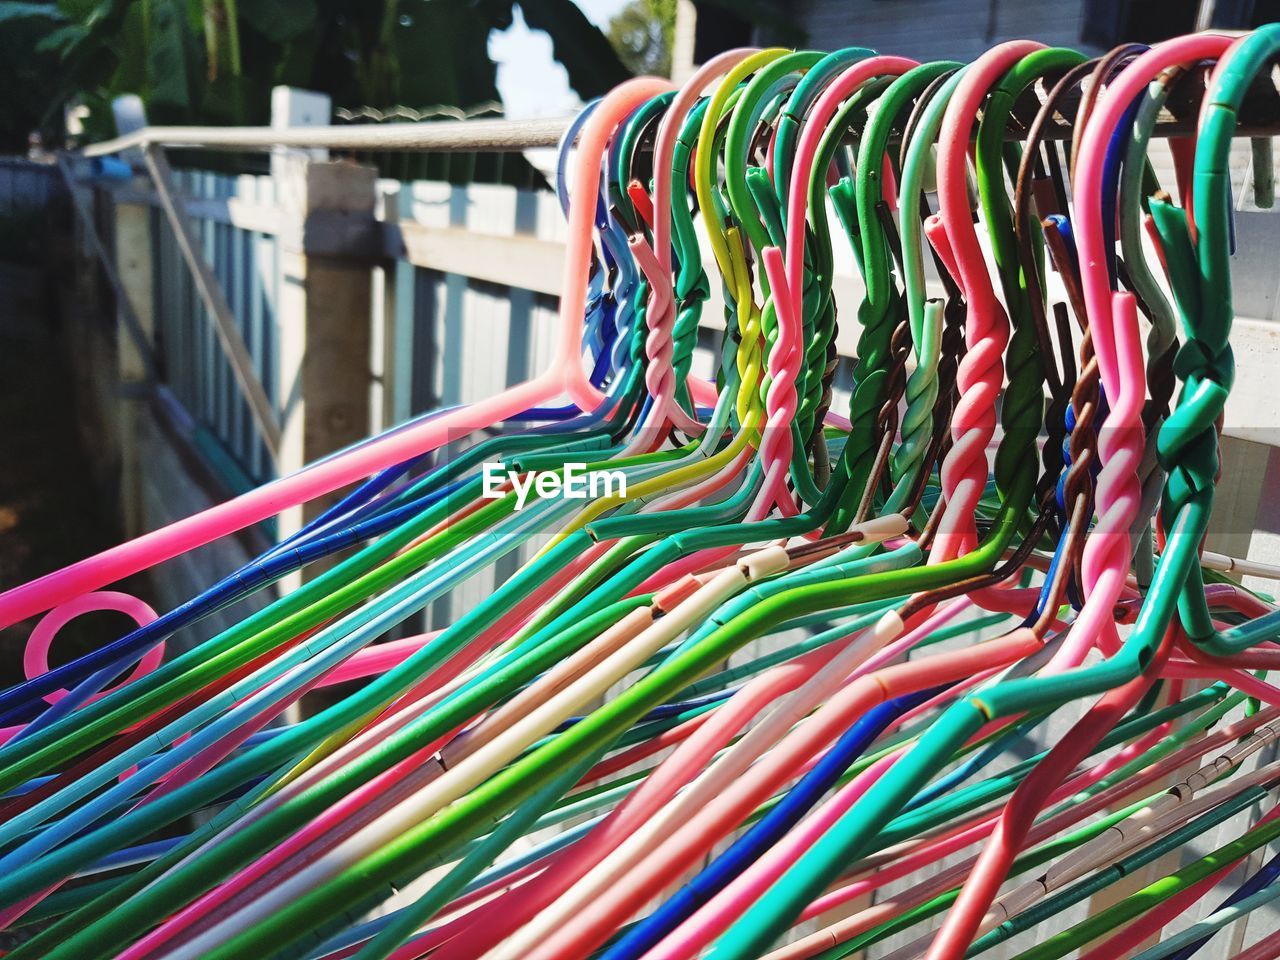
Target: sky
530 82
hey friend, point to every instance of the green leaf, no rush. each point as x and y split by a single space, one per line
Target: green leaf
130 73
63 40
78 10
578 45
12 10
168 60
439 56
279 20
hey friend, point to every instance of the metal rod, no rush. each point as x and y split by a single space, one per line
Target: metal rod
451 136
496 136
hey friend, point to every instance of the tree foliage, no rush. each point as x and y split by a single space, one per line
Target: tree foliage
215 61
642 33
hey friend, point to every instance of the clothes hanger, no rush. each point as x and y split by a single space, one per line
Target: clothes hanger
902 910
780 902
746 411
828 492
1264 878
738 68
1186 825
823 129
1159 831
1150 822
566 375
271 566
960 927
1162 889
970 890
751 198
1127 865
1025 363
708 194
637 798
808 790
457 780
923 318
1040 180
136 640
584 750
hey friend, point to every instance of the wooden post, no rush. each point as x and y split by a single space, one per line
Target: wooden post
292 107
398 318
686 29
324 314
133 265
134 268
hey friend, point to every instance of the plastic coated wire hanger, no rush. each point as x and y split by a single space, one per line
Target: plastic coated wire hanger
969 906
495 694
921 906
565 376
258 577
1081 738
990 708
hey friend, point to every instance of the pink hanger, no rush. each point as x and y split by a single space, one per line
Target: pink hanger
786 274
1107 552
656 261
566 376
786 279
980 376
